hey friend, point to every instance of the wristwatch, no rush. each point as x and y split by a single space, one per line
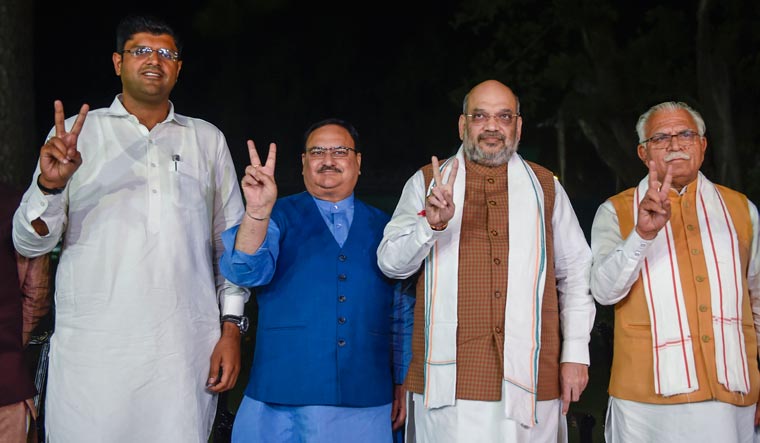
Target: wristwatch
240 320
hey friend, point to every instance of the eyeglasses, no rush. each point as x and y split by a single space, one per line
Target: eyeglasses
658 141
504 118
146 51
336 152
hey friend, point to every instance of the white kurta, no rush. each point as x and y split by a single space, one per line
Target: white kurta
137 287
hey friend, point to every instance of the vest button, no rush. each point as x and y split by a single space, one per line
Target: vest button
490 180
494 232
341 320
694 251
491 202
703 308
690 227
496 261
497 329
341 343
342 277
497 294
705 338
342 257
700 279
341 298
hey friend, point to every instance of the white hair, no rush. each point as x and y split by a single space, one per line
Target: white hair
668 106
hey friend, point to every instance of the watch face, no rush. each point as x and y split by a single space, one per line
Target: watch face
243 325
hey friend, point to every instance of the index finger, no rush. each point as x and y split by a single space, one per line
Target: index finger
436 171
77 126
252 154
59 118
271 156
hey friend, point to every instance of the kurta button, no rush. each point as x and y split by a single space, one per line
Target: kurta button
491 202
700 278
342 277
690 227
694 251
490 180
342 257
341 320
496 261
705 338
702 308
154 191
341 342
494 232
341 298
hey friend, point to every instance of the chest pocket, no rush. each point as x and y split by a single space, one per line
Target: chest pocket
187 185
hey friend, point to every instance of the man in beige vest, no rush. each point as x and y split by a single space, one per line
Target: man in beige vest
503 311
678 257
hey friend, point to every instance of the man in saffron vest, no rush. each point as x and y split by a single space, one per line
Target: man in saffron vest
329 322
678 257
503 312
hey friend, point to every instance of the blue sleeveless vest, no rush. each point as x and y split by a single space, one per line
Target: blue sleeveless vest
324 321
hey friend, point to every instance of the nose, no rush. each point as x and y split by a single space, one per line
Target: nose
491 123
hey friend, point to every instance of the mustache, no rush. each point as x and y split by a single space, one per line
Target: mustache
491 134
676 155
325 168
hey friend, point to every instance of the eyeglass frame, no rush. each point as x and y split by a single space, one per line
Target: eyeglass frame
512 117
669 142
332 150
174 56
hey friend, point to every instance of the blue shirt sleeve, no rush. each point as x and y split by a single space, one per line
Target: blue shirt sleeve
250 270
401 327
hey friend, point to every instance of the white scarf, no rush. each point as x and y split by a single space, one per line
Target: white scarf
525 287
674 369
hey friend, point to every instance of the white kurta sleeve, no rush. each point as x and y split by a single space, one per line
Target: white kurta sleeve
227 212
407 237
572 262
616 262
753 271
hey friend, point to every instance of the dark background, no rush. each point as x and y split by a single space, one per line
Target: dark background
583 69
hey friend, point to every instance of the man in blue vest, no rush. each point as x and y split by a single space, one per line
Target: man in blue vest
329 322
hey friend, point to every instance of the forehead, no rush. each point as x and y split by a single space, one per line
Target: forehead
670 118
492 96
329 136
152 40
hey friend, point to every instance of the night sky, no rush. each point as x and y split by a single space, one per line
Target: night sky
397 70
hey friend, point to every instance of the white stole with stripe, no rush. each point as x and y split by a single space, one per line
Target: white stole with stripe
674 369
525 288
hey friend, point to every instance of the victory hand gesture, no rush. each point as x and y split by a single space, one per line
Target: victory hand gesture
258 184
439 204
59 157
654 209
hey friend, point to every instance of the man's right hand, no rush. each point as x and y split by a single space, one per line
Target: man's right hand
439 204
59 157
258 183
654 208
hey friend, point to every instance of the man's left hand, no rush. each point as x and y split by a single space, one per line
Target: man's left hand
398 408
573 378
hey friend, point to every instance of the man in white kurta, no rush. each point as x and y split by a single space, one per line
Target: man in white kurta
138 353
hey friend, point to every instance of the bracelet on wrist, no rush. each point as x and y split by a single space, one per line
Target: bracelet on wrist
256 218
439 227
46 190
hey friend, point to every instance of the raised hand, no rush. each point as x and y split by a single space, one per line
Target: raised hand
59 157
439 204
654 209
259 187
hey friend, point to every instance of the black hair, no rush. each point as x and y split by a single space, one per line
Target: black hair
133 24
334 121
